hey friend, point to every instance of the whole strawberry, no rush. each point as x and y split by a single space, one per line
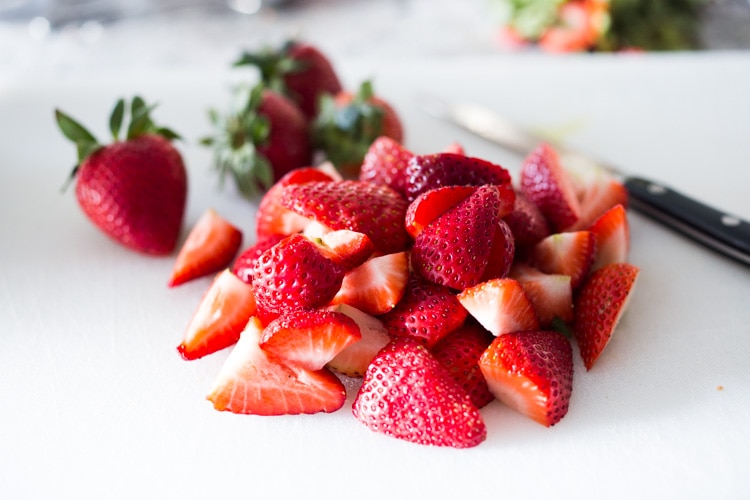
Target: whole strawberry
134 189
260 141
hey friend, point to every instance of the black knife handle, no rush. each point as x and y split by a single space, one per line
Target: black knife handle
720 231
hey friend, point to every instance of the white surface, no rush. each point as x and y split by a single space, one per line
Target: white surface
96 403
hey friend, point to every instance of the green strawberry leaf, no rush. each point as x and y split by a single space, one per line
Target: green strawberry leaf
72 129
116 118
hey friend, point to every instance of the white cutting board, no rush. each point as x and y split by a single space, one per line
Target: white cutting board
96 403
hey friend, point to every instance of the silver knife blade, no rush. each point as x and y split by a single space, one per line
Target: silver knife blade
718 230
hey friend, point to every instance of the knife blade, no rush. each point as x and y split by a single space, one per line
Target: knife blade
718 230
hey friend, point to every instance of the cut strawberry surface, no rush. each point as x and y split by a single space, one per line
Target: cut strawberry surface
407 394
354 359
500 305
570 253
431 204
210 247
376 286
220 317
550 294
532 372
252 381
600 303
598 191
612 233
385 163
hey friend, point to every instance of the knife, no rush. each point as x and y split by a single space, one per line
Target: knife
720 231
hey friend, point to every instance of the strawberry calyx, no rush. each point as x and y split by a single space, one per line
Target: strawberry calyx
273 64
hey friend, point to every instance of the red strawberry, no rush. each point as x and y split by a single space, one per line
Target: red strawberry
612 233
210 247
134 190
550 294
548 185
570 253
407 394
426 172
258 143
347 125
298 70
309 338
600 303
354 360
431 204
502 253
375 210
527 223
500 305
253 381
385 163
296 273
532 372
376 286
598 192
427 312
350 249
459 353
220 317
581 24
243 266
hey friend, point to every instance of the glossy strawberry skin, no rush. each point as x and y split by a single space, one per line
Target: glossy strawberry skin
135 191
385 163
315 75
245 262
527 223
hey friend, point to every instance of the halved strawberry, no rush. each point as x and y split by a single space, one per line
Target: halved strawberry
354 360
219 318
210 247
527 223
407 394
309 338
500 305
427 312
431 204
243 265
376 286
385 163
548 185
532 372
612 233
600 303
571 253
253 381
550 294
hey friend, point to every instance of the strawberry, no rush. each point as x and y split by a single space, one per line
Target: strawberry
253 381
426 172
429 205
532 372
296 273
456 148
210 247
502 253
220 317
612 233
407 394
354 359
527 223
135 189
582 23
599 305
570 253
548 186
299 70
309 338
350 249
500 305
258 142
597 190
385 163
376 286
245 262
375 210
459 353
427 312
550 294
347 125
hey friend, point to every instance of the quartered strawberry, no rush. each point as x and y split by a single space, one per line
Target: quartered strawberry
220 317
245 262
385 163
309 338
354 359
571 253
431 204
459 353
532 372
550 294
253 381
599 304
407 394
548 186
527 223
350 249
502 253
598 192
210 247
612 233
500 305
373 209
431 171
376 286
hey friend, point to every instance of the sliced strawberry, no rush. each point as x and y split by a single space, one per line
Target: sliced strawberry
354 360
350 248
612 233
407 394
550 294
427 312
598 191
500 305
431 204
385 163
376 286
527 223
502 253
309 338
570 253
243 265
548 185
532 372
219 318
459 353
600 303
253 381
210 247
